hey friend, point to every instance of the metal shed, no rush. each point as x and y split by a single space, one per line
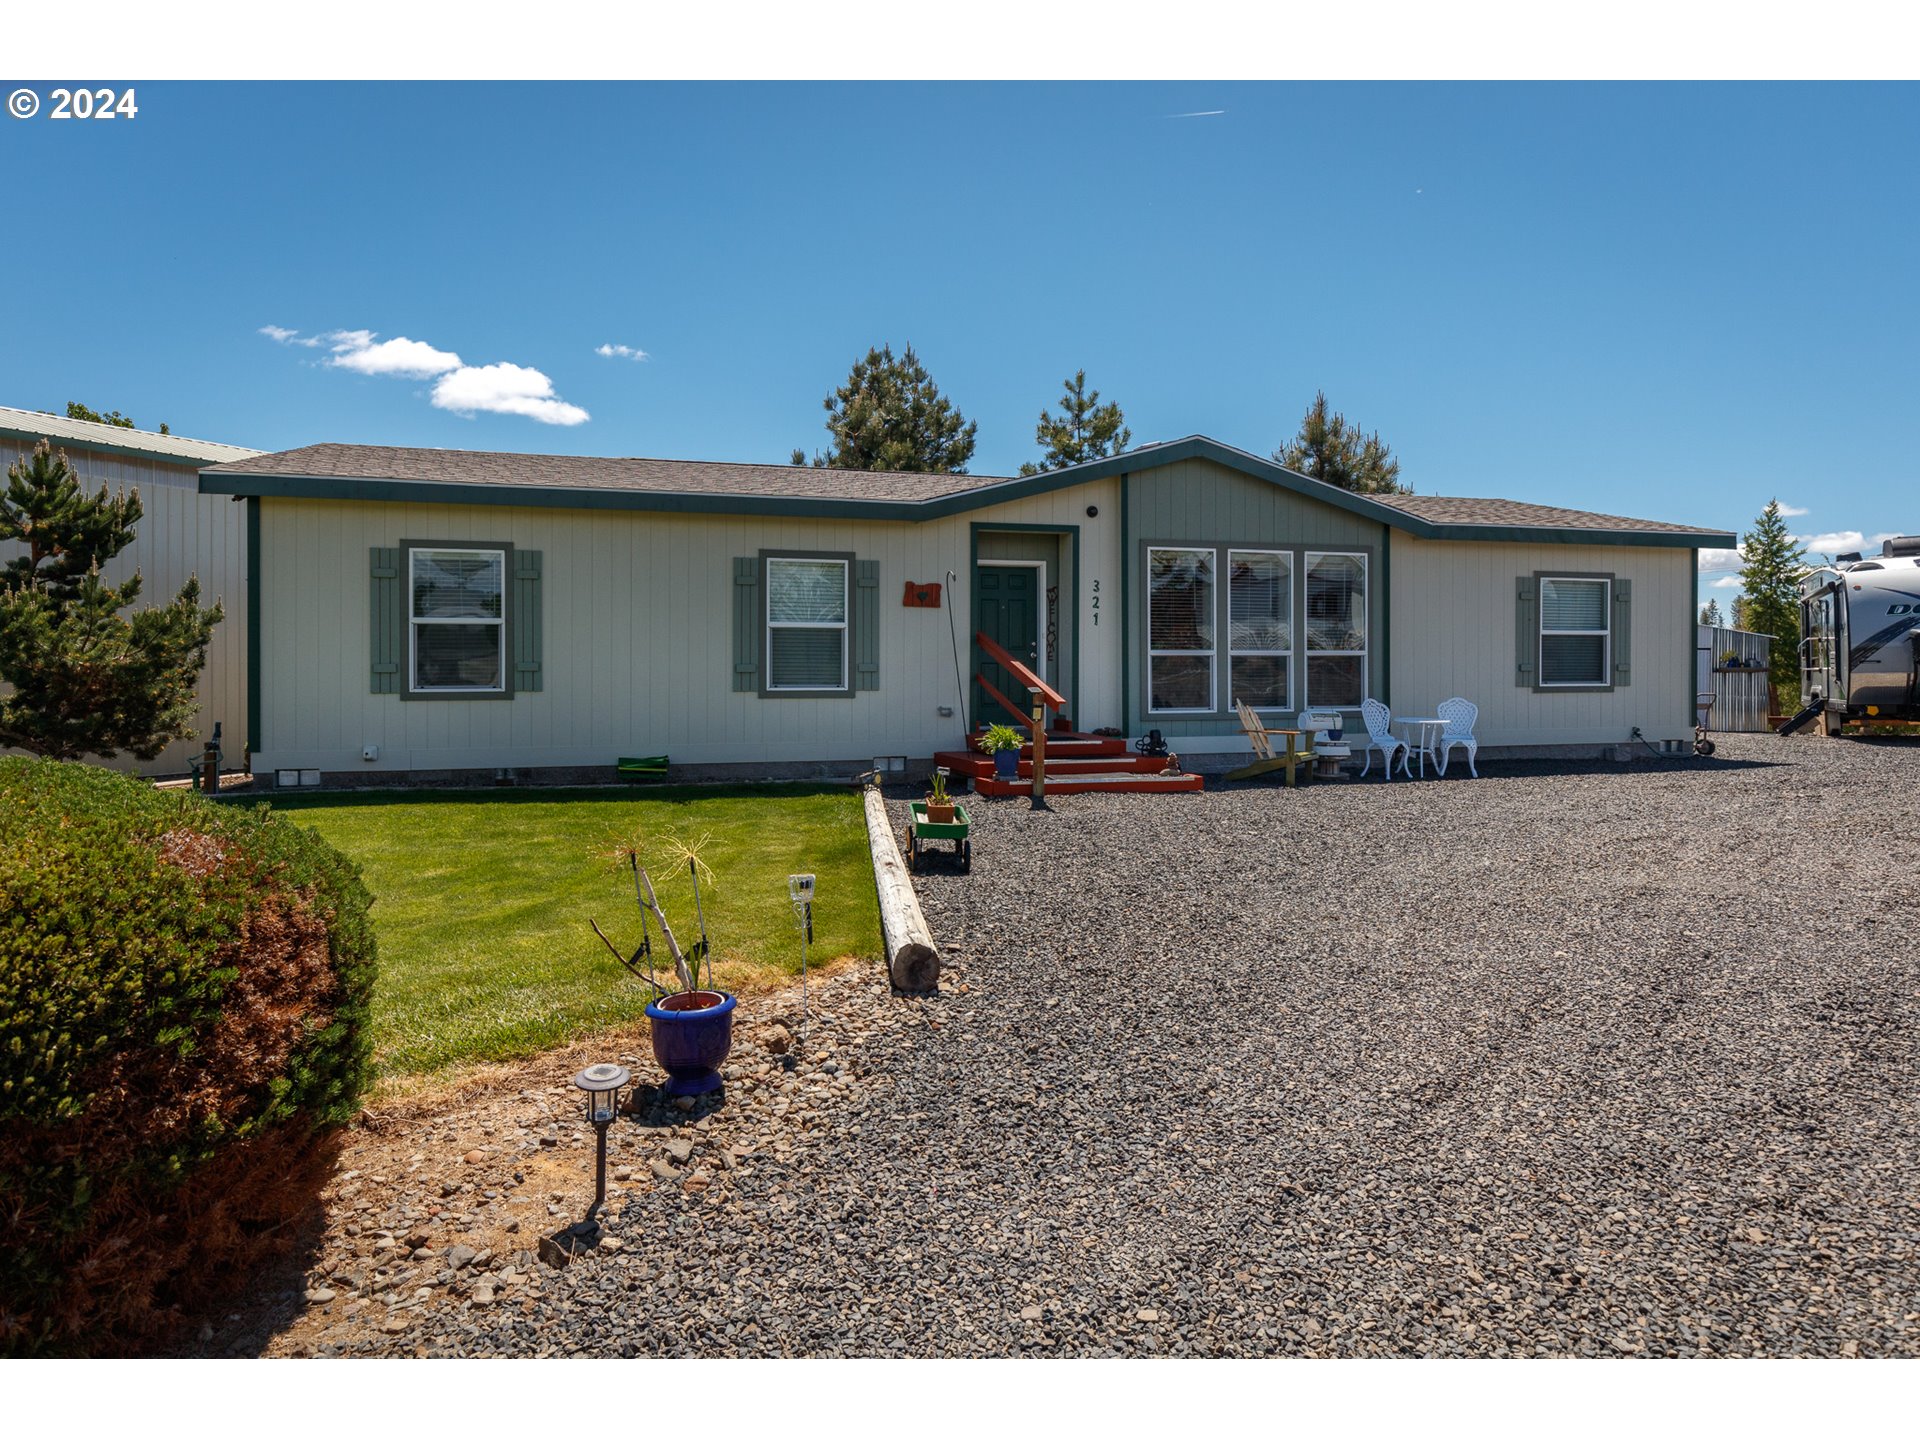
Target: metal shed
1732 665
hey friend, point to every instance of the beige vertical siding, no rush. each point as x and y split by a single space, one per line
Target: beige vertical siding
1453 634
181 533
638 643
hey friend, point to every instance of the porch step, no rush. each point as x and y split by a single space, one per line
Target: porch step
1066 745
975 764
1084 783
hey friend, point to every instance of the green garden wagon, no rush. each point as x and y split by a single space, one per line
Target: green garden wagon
922 830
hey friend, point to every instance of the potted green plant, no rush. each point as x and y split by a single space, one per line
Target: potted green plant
1002 742
692 1025
939 803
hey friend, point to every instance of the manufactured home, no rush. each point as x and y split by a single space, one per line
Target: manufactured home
447 616
181 533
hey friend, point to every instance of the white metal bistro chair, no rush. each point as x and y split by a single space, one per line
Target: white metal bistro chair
1380 737
1457 717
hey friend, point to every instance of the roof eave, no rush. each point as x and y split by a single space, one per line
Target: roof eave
112 447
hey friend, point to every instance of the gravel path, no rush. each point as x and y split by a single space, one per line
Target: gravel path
1620 1061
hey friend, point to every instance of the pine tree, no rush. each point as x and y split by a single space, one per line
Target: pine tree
1710 612
86 679
1086 429
1773 562
891 416
1328 448
77 411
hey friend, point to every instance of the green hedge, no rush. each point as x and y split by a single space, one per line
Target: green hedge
183 1007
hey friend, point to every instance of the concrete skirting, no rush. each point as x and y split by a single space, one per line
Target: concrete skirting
553 776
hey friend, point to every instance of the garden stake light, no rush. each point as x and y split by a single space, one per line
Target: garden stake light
603 1084
800 892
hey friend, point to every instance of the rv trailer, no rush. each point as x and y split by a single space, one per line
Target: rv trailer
1860 639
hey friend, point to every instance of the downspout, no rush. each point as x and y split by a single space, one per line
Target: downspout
1126 616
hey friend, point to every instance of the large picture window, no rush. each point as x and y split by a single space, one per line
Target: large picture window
1180 629
1260 627
1575 639
1336 631
457 621
807 624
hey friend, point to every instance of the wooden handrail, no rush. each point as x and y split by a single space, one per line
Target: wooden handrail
1020 717
1049 696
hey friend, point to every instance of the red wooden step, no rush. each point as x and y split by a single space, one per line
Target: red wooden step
1082 784
977 765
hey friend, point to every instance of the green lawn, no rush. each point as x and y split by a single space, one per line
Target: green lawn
482 901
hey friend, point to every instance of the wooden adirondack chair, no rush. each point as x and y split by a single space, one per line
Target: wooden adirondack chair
1296 756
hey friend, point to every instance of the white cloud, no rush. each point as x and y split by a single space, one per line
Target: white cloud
1713 562
621 352
1833 542
1882 536
1794 512
499 389
1727 582
504 389
355 350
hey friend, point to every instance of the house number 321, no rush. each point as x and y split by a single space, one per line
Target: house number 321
1096 602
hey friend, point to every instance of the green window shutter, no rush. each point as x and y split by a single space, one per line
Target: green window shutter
866 625
388 620
1526 630
746 622
1622 632
529 625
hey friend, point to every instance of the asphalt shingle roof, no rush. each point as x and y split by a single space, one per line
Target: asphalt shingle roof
741 485
584 472
1464 510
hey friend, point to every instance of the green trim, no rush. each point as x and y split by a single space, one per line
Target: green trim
256 741
1126 612
1076 699
188 463
228 480
1386 616
1693 650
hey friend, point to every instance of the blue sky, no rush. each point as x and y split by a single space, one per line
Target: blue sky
1672 301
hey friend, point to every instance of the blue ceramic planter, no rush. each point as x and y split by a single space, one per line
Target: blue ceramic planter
1006 764
692 1035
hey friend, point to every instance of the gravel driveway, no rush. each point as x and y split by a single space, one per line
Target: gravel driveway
1619 1061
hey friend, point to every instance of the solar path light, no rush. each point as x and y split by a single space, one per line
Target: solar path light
602 1084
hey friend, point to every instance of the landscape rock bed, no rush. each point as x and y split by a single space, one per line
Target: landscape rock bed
1611 1061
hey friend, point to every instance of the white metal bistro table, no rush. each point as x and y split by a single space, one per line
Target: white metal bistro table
1427 741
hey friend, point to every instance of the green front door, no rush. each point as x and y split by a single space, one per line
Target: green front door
1006 607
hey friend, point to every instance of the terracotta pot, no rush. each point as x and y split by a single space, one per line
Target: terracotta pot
940 812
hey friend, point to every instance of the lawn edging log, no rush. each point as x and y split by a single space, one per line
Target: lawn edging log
913 961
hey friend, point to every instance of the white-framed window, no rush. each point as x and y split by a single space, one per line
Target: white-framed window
456 621
1260 628
1336 630
1180 629
1576 638
807 623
